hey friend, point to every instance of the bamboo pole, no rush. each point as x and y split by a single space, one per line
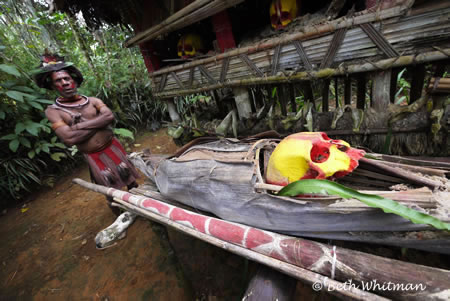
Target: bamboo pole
342 263
298 273
324 73
307 33
401 173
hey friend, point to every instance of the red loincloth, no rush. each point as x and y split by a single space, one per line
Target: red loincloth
110 166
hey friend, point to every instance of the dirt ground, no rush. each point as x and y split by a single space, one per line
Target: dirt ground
47 251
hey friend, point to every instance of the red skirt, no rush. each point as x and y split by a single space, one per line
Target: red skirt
110 166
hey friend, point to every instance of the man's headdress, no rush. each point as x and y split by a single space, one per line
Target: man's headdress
51 63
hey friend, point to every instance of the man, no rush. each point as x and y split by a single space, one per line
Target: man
85 122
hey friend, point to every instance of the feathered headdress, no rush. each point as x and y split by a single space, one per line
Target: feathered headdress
51 63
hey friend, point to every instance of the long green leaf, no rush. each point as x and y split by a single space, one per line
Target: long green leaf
387 205
10 69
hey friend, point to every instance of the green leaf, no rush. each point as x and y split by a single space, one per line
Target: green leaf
124 133
31 154
24 89
46 101
9 137
2 115
10 69
32 127
45 148
16 95
387 205
20 127
36 105
57 156
25 142
60 145
14 145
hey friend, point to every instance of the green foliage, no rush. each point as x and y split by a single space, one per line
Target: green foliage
29 149
387 205
402 94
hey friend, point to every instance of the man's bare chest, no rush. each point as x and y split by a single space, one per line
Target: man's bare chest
76 115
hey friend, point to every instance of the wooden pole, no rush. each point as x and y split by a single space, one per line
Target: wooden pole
381 90
327 260
319 281
324 73
405 174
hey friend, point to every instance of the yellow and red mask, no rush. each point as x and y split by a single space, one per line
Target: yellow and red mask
282 12
311 155
189 45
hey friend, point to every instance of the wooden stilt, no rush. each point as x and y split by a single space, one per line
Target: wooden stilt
381 90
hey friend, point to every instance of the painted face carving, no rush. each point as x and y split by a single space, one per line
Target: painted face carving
282 12
189 45
311 155
64 83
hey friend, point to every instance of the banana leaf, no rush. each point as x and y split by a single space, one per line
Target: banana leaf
387 205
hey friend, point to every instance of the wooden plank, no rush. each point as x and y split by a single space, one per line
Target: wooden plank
381 90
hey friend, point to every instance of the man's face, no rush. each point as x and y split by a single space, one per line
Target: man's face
64 84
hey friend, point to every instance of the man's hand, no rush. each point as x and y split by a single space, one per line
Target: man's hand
102 120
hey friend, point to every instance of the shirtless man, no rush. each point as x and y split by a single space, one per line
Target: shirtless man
85 122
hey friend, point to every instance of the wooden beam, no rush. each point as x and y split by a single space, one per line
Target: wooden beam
305 76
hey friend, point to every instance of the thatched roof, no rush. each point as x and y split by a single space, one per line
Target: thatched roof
98 12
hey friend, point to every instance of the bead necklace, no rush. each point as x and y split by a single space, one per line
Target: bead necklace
59 103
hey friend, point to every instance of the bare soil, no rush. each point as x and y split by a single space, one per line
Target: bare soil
47 251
